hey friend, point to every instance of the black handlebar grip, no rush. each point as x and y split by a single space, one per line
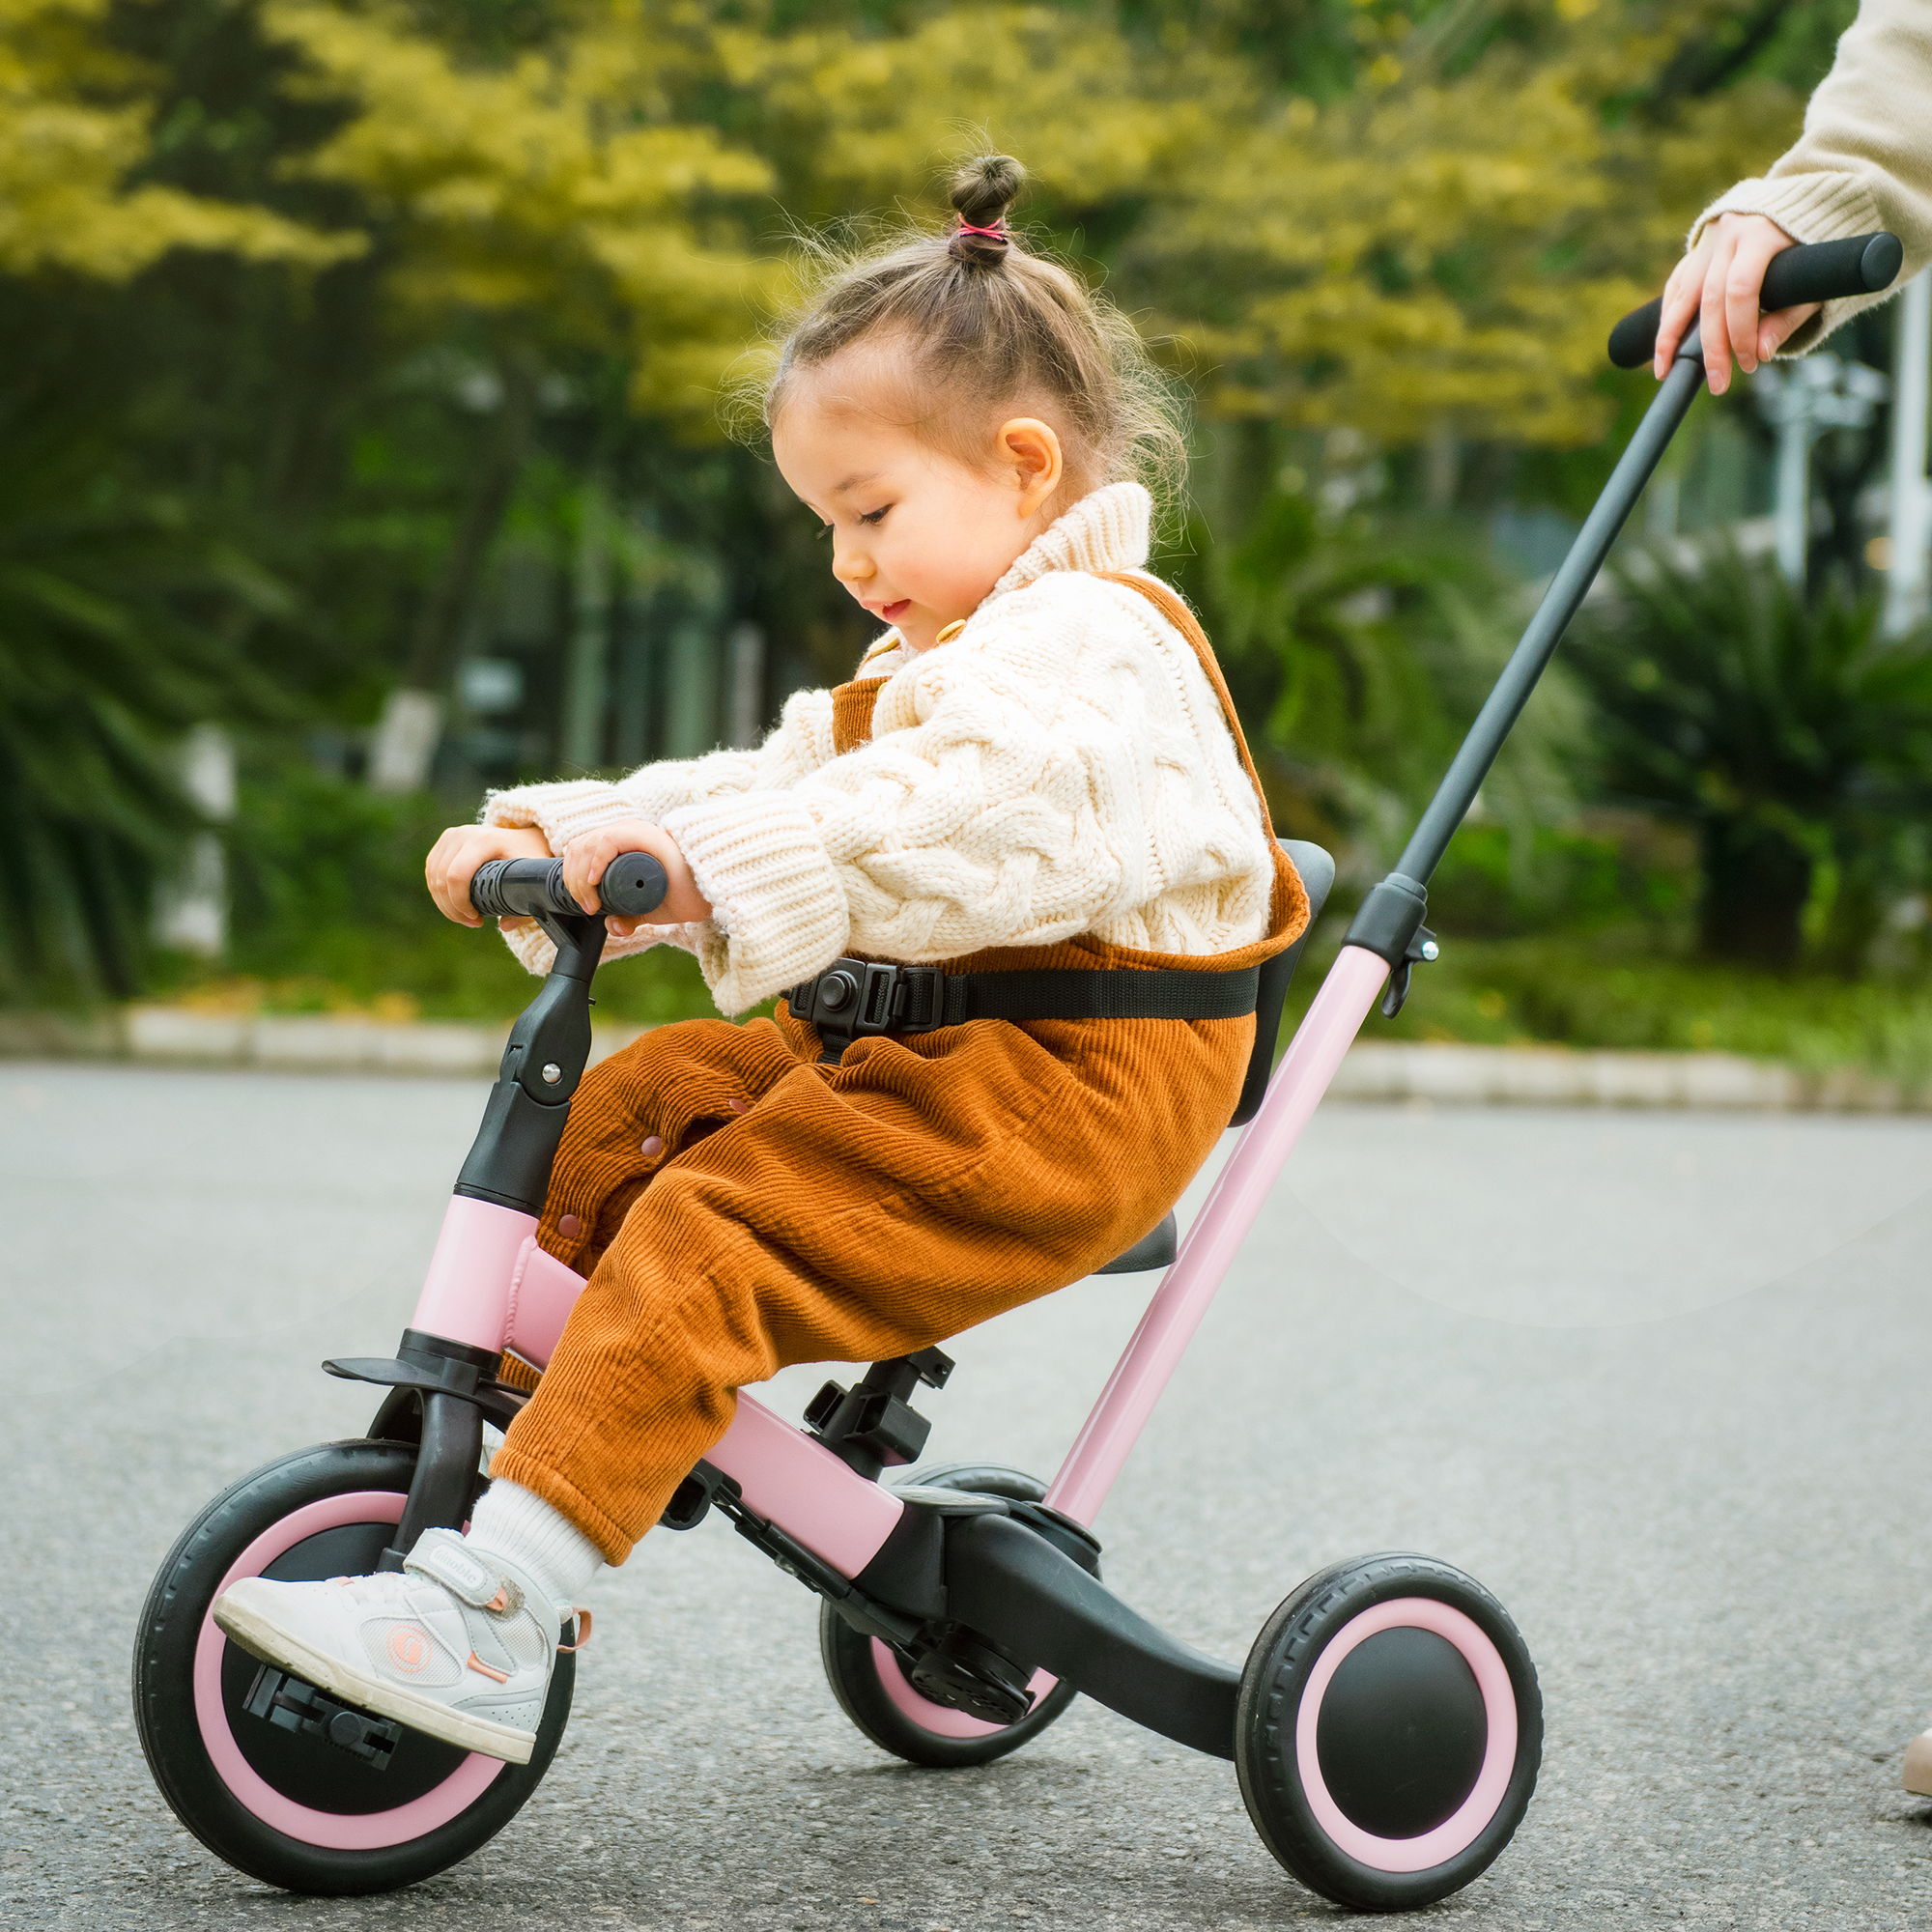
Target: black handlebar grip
512 888
1860 264
634 884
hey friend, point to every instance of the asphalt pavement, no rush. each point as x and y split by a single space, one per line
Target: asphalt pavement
1661 1380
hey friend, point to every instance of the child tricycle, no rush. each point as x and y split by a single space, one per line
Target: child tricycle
1386 1726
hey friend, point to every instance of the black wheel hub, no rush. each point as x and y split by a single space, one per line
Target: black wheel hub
1401 1733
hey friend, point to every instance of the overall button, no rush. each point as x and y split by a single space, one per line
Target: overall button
653 1147
570 1226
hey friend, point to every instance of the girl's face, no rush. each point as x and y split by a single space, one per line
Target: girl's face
918 536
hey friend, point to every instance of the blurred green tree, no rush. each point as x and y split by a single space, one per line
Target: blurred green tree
112 643
557 196
1399 228
116 607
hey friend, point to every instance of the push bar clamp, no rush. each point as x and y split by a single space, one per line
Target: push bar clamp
1389 925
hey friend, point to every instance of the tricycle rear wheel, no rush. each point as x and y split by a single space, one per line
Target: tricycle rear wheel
1388 1732
874 1687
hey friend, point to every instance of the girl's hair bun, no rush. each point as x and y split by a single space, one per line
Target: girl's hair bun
983 330
982 191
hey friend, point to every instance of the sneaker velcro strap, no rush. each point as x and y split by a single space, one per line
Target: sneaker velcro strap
445 1558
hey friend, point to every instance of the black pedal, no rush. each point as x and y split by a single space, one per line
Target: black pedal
872 1427
291 1705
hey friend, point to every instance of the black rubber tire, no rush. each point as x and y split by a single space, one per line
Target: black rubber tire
1277 1673
852 1668
165 1709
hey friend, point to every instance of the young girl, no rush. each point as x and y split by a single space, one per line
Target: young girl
1037 771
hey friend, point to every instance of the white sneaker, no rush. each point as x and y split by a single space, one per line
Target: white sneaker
461 1644
1918 1765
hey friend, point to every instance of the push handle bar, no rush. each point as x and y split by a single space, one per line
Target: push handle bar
634 884
1820 272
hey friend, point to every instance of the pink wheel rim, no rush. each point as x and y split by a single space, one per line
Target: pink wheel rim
334 1830
941 1719
1458 1833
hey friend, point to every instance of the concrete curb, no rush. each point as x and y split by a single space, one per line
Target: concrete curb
276 1043
1554 1076
1452 1075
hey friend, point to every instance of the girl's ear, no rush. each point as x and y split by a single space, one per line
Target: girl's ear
1030 451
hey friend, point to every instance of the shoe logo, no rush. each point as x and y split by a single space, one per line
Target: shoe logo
409 1649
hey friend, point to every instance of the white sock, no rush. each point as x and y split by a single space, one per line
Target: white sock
542 1542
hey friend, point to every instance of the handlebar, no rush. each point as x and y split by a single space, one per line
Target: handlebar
634 884
1819 271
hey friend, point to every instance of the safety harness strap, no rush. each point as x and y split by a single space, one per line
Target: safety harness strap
853 997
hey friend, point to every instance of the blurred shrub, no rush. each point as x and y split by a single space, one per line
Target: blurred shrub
1358 645
1496 883
1616 989
1564 991
1793 737
330 912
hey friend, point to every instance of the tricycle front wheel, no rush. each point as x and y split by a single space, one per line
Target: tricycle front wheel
288 1805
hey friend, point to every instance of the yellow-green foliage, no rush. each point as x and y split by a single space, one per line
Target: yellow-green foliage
74 122
1436 250
562 188
1439 250
871 124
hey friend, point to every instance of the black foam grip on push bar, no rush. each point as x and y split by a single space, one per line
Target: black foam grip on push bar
634 884
1860 264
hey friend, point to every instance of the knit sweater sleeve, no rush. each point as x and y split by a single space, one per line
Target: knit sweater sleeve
1864 159
800 744
1047 774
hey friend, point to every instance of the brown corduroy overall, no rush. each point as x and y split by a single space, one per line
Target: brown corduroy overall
740 1207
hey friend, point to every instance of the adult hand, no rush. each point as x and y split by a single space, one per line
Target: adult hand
586 855
1718 282
454 858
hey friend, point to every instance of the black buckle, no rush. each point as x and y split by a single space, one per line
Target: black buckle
856 997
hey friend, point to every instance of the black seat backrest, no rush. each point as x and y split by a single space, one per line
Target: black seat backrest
1318 875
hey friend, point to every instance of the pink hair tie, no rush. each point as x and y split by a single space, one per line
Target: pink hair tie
998 231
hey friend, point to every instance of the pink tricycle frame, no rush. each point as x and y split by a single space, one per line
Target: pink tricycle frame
490 1286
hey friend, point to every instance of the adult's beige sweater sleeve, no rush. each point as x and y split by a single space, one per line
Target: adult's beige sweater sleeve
1049 773
1864 159
800 742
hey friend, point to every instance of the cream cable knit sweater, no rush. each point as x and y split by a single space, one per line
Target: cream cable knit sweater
1864 159
1060 767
